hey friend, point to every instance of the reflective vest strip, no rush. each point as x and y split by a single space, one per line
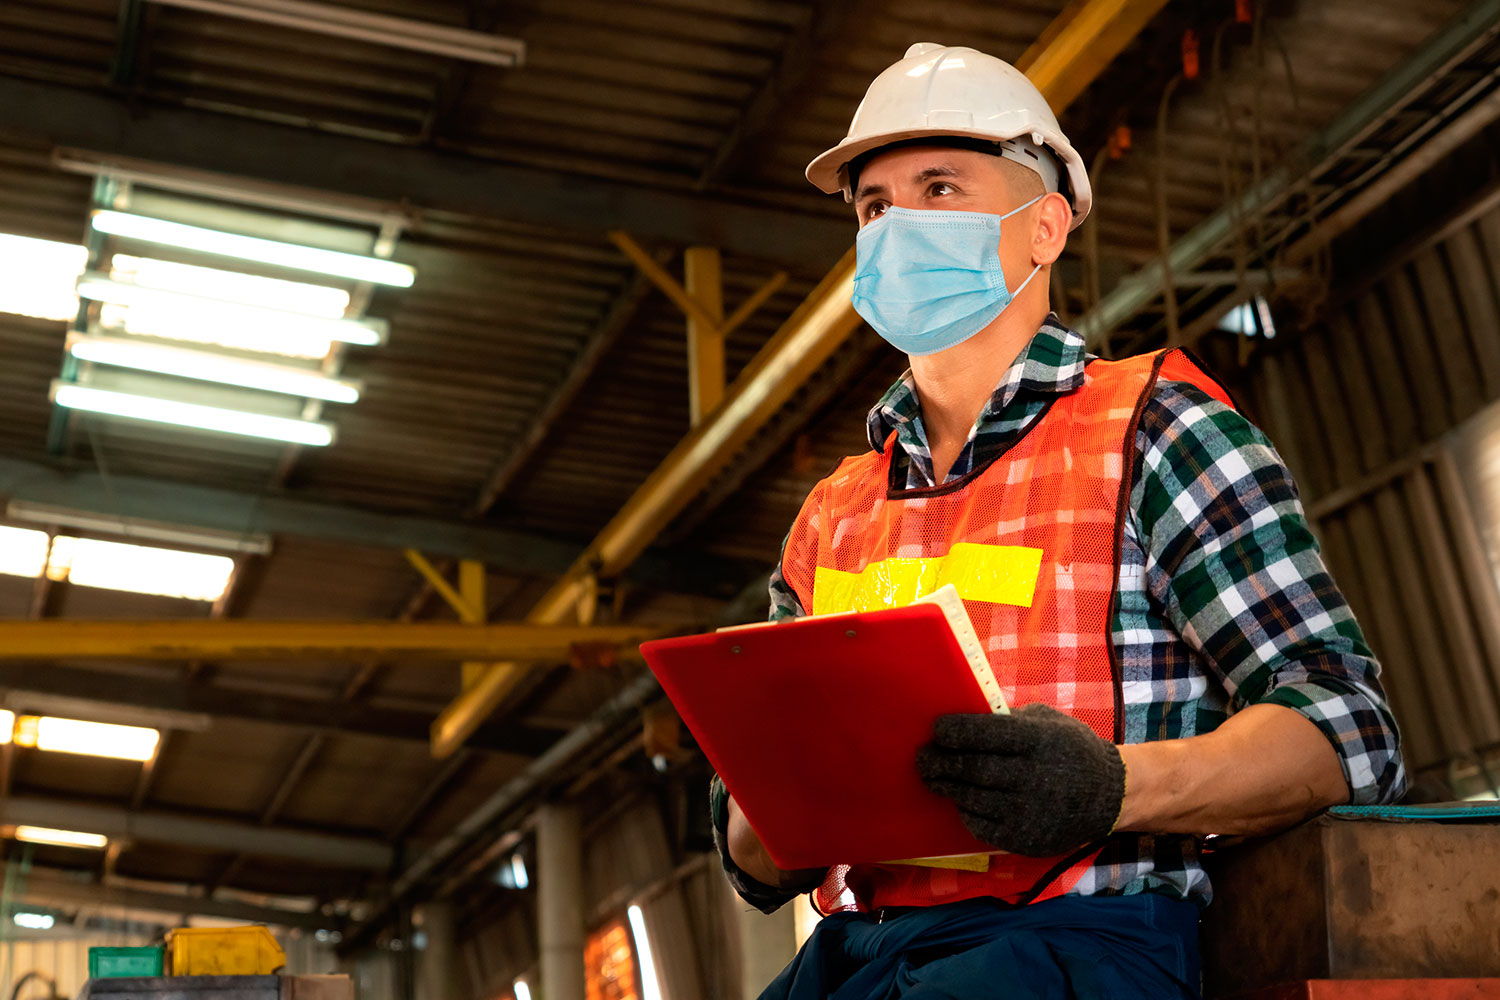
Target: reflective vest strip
997 574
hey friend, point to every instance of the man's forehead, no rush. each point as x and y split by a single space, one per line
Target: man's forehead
917 164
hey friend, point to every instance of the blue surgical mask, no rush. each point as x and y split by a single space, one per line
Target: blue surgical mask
929 280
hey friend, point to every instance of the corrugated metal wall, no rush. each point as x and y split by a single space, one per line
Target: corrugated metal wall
59 957
1363 407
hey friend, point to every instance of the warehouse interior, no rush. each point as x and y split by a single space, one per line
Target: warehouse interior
580 345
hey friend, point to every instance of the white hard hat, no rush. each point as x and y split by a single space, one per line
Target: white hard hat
937 90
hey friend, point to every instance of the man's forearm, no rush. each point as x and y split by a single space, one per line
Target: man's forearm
1265 769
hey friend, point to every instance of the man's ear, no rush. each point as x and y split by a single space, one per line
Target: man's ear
1054 216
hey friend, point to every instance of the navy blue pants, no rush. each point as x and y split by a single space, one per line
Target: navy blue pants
1118 947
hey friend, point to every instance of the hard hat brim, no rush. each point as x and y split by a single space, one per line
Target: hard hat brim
826 172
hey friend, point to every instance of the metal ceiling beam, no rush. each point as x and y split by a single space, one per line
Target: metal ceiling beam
1433 150
1080 43
296 640
1075 53
376 29
827 20
312 715
332 850
512 553
1353 124
422 178
57 887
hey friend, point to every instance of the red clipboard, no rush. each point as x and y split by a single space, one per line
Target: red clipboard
814 725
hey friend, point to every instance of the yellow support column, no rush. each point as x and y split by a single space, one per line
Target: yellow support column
471 589
701 266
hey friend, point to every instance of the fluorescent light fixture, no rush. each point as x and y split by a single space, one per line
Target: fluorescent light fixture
367 26
154 409
195 330
139 569
7 725
23 551
209 367
231 286
39 276
88 739
254 543
521 990
650 988
34 921
253 248
92 562
180 316
39 703
60 838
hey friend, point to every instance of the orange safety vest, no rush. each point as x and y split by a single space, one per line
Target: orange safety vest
1032 542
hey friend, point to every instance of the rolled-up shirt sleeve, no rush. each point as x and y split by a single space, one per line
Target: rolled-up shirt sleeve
1231 559
765 898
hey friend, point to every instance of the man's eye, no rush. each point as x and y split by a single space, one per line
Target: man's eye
939 189
875 209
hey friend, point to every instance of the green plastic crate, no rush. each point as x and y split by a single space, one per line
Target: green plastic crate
113 963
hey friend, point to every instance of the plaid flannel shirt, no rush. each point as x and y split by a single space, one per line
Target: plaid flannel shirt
1224 600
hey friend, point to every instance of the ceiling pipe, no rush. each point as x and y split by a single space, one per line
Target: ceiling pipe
333 850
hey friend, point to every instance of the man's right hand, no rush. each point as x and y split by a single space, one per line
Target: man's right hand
747 851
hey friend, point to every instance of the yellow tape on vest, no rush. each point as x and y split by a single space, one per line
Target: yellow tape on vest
999 574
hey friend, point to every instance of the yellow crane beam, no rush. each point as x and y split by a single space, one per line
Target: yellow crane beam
295 640
1070 54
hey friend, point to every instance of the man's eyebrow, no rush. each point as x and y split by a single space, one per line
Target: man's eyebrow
942 170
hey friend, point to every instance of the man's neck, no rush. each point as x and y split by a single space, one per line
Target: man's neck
953 386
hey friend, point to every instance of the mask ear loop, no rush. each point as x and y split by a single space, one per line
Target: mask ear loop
1022 286
1023 207
1034 270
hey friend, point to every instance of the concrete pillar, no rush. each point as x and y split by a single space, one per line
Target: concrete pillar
767 943
437 962
559 885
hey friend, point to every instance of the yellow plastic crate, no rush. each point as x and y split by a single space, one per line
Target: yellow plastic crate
223 951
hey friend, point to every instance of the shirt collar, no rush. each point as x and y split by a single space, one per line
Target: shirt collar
1052 362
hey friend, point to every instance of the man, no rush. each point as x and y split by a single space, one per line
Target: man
1185 665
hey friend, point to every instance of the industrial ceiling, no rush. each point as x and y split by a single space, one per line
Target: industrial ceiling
533 379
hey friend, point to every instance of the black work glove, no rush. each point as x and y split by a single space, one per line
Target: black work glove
1036 782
